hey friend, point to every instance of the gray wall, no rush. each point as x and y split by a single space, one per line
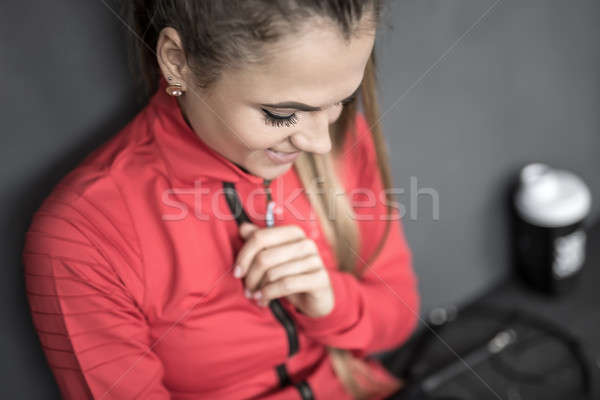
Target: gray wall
65 89
520 86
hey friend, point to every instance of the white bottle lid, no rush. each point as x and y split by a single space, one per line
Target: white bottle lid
550 197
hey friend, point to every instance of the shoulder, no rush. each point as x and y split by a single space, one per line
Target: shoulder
85 217
89 224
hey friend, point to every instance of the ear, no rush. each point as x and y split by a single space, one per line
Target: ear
171 56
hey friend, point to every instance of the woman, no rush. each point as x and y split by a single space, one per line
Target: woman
208 250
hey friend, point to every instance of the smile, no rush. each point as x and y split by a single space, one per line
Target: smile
281 157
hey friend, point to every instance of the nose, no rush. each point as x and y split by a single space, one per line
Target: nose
315 138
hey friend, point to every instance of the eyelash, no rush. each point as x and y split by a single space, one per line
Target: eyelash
274 120
291 120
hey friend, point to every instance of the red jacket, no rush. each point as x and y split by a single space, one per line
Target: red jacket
128 267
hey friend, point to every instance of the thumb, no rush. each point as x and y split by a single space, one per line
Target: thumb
246 228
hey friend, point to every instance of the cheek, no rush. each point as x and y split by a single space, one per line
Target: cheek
334 114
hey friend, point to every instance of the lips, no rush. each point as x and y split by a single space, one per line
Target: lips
281 157
283 152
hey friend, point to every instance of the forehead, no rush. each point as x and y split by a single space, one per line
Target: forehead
315 65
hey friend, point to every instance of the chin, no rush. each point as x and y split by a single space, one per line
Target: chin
275 171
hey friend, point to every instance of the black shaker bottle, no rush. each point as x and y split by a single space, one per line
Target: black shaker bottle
550 208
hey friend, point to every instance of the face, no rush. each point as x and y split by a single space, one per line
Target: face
243 117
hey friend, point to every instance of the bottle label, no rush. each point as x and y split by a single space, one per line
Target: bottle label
569 254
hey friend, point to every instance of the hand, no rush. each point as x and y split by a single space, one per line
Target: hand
281 261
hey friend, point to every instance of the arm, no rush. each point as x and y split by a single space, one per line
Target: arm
93 333
380 310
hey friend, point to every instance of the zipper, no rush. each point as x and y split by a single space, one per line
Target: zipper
282 315
235 205
275 305
306 392
282 374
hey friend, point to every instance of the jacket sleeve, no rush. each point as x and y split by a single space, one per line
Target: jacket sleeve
84 296
379 310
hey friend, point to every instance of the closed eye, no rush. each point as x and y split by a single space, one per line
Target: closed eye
275 116
278 120
292 119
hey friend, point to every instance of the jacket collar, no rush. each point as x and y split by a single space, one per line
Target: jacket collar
188 158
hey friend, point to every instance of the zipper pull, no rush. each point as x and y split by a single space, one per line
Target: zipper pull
270 203
270 216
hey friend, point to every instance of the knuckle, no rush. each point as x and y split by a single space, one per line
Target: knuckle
299 230
286 285
310 245
261 259
325 278
315 259
257 237
323 274
251 278
319 276
272 274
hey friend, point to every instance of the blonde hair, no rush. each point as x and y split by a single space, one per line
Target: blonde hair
323 187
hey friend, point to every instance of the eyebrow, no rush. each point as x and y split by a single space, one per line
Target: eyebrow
306 107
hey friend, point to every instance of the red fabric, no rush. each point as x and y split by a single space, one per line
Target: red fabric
128 267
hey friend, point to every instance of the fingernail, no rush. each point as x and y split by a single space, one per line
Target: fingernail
237 271
247 293
257 295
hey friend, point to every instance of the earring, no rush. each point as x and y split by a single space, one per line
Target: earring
174 89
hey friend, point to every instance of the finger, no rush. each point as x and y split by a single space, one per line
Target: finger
291 284
263 238
246 228
293 267
276 255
